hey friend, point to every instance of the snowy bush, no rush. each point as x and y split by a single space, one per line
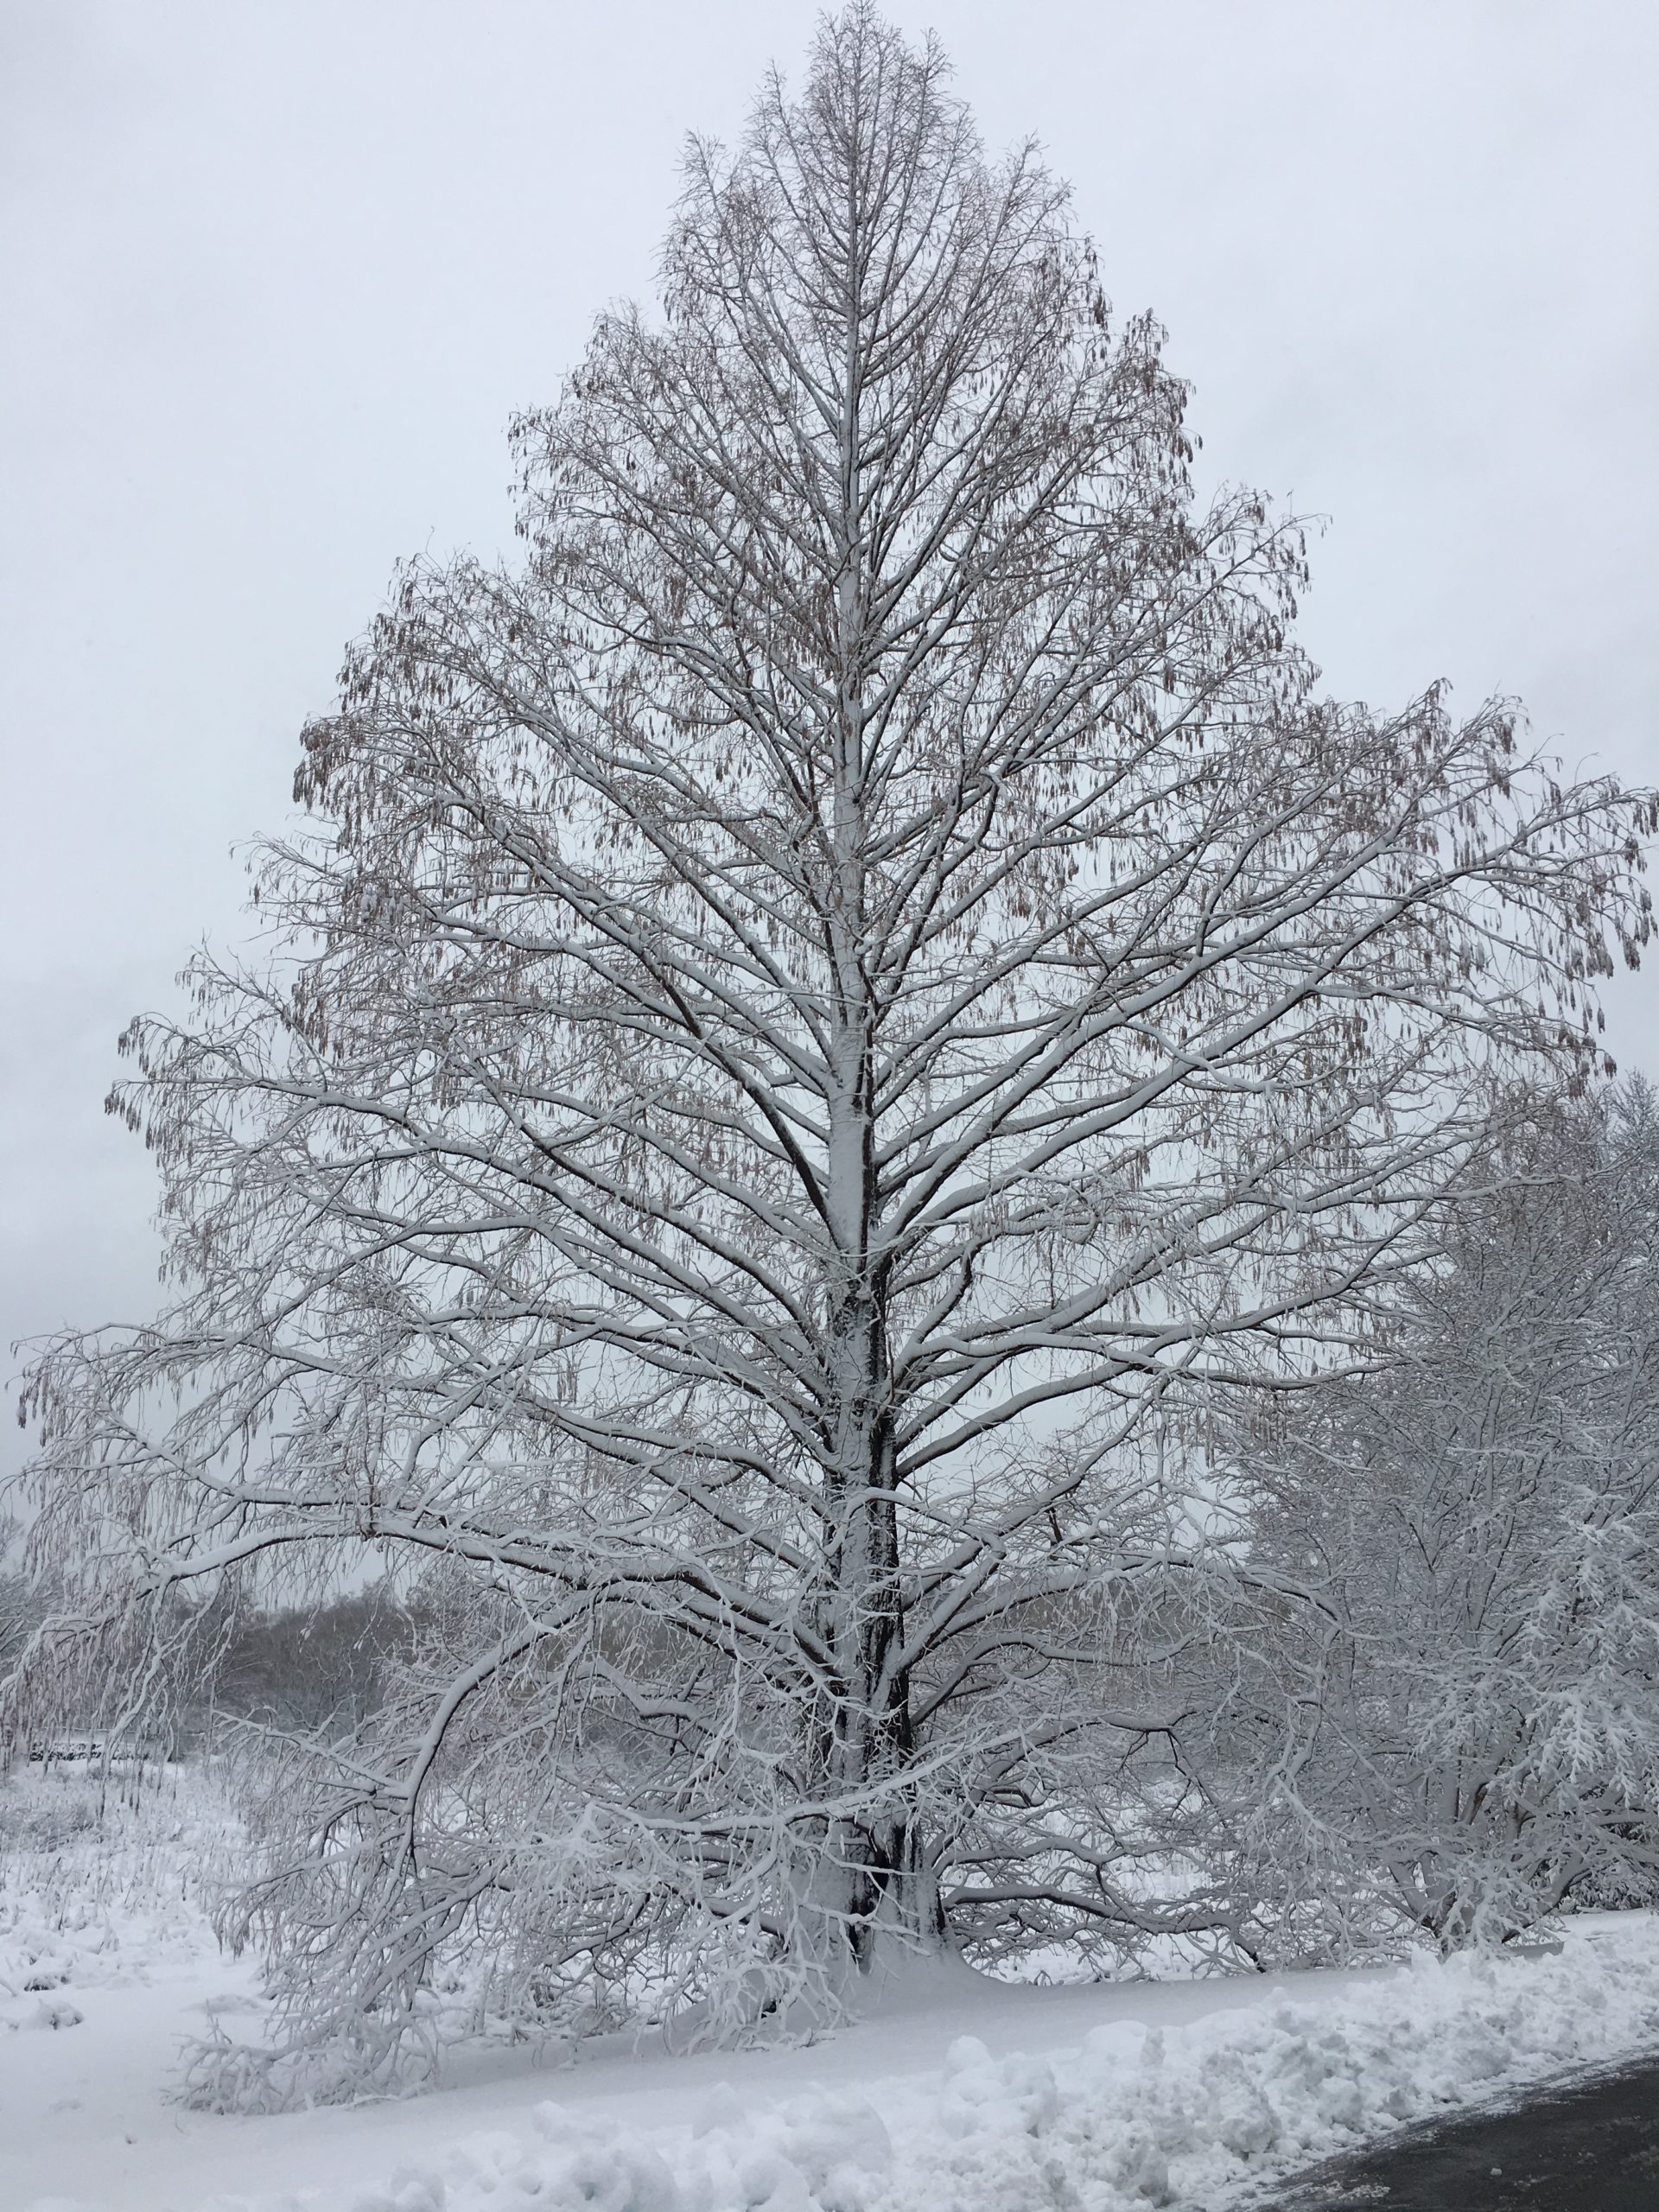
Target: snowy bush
1476 1737
103 1876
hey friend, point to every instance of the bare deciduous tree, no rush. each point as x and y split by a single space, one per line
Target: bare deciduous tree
856 968
1476 1733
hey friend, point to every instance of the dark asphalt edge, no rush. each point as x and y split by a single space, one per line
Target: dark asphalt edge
1284 2192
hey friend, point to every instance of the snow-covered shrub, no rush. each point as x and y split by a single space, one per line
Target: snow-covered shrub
1468 1698
103 1875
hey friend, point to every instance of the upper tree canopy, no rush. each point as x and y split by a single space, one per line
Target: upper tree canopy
855 966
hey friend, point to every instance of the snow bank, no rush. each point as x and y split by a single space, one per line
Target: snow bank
1180 2117
965 2095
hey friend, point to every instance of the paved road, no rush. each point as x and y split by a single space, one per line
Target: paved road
1594 2148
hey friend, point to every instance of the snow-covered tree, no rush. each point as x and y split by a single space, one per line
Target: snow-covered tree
858 966
19 1616
1474 1693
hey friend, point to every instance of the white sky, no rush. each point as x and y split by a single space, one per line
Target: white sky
274 273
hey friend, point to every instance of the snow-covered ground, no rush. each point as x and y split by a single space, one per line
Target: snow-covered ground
958 2096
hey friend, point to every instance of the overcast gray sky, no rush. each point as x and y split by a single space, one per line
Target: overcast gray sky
276 272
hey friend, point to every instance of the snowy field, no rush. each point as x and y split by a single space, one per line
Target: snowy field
963 2097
